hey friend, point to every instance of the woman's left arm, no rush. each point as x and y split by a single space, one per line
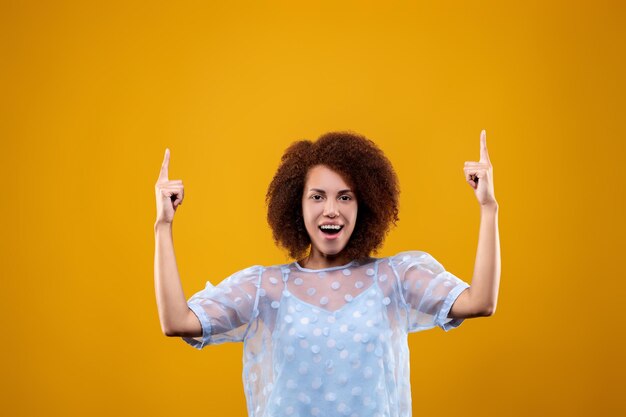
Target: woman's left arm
481 297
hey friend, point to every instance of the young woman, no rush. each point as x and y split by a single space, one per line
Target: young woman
326 335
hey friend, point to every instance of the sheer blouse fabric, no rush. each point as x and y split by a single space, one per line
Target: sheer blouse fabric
328 342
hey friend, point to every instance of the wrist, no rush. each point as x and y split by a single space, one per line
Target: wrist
489 207
161 225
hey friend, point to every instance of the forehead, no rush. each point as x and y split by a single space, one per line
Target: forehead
323 177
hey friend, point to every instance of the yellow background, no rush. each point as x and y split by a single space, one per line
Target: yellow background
93 93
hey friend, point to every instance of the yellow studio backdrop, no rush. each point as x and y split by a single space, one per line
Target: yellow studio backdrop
93 93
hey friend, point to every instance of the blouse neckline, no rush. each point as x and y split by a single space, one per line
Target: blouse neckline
332 268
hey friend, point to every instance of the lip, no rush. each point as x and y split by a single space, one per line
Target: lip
330 237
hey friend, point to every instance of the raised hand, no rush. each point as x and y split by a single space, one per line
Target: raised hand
479 175
169 194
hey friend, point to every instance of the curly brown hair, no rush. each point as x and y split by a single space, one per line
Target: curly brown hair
361 164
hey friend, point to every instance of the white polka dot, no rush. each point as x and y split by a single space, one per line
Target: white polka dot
317 358
369 272
383 277
304 343
370 347
317 331
343 354
356 314
273 280
262 292
298 281
311 291
346 272
291 384
292 331
299 307
386 301
303 398
326 331
335 285
331 319
275 304
324 301
369 323
288 318
289 410
304 320
289 350
357 337
331 343
316 382
356 391
342 408
315 411
367 372
343 328
348 297
330 396
359 284
315 349
370 303
304 368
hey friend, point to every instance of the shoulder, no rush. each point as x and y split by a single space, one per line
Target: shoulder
248 274
408 257
414 259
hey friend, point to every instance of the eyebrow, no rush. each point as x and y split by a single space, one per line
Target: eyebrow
324 192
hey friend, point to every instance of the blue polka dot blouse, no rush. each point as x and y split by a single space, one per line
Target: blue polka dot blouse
328 342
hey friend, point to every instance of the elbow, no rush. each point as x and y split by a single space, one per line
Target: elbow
488 311
169 332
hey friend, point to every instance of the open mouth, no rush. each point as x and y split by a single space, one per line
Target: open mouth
330 229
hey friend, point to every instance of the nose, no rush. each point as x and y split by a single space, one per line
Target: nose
330 209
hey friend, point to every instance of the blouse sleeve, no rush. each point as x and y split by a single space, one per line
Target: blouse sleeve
225 310
427 291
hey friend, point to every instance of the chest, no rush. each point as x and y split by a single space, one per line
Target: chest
309 332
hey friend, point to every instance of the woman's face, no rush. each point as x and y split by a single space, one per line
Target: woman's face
328 200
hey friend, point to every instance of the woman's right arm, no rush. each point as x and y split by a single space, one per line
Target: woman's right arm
175 316
174 313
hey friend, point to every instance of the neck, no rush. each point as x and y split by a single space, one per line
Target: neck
318 260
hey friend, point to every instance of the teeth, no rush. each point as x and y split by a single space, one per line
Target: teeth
330 226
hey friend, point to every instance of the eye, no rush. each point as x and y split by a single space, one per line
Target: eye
347 197
316 195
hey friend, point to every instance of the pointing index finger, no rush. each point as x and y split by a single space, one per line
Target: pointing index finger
163 175
484 155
